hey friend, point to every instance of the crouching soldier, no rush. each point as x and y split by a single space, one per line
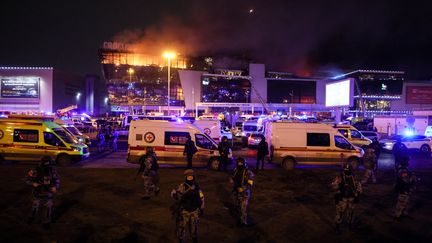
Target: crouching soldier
347 194
243 180
45 182
405 186
149 168
189 206
370 163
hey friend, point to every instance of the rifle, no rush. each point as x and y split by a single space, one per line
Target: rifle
141 168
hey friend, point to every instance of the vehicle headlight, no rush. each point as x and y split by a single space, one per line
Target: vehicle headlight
80 140
77 149
388 143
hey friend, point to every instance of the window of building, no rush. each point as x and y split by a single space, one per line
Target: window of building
26 136
138 137
176 138
318 139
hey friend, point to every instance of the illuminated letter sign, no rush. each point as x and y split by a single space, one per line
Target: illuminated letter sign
20 87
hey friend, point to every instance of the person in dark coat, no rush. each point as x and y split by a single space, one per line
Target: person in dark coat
400 153
262 153
45 182
224 151
189 150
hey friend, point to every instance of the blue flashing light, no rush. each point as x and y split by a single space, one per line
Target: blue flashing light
408 132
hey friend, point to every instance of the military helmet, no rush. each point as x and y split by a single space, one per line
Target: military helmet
404 161
188 172
347 169
241 161
149 150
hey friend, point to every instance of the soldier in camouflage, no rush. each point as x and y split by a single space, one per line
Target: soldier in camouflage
189 206
45 182
149 168
405 186
370 163
347 194
242 180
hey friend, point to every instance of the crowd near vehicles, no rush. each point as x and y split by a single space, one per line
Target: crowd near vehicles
168 139
415 142
353 135
30 140
293 143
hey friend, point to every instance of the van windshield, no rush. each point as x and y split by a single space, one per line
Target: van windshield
342 143
74 130
64 135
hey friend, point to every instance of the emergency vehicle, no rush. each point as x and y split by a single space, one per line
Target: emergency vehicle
293 143
168 139
28 140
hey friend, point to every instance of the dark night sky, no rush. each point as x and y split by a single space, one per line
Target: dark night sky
297 36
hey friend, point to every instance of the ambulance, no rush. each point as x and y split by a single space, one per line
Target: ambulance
168 139
30 140
211 127
293 143
69 126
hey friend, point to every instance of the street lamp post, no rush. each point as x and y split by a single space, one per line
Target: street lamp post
130 71
169 56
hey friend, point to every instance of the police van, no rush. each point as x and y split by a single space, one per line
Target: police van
168 139
30 140
293 143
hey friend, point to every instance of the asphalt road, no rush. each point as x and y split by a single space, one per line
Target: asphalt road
99 201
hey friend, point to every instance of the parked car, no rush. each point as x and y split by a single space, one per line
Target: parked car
254 139
415 142
353 135
371 135
428 131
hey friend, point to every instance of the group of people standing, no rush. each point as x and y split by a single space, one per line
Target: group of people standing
189 197
348 189
107 139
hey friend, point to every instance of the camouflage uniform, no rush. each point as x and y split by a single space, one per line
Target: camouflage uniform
45 182
189 206
370 162
243 180
149 175
348 191
405 185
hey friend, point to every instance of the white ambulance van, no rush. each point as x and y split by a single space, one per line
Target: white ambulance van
168 139
294 143
30 140
211 127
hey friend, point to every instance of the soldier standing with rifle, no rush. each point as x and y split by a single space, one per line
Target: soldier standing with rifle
347 195
45 182
242 180
149 173
189 206
405 186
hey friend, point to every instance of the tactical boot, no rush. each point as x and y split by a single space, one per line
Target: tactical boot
194 240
